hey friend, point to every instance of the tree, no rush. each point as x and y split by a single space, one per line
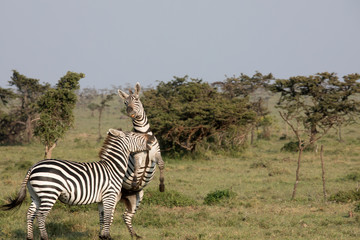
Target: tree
187 112
56 111
312 105
100 108
18 122
246 86
28 91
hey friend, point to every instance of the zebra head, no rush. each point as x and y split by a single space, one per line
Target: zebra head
136 142
134 107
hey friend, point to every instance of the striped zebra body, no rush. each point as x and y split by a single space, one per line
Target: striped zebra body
78 183
141 165
146 170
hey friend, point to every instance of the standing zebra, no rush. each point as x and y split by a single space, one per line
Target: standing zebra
76 183
142 165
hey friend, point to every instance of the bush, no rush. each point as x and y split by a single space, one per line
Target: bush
352 176
217 196
186 113
345 196
294 147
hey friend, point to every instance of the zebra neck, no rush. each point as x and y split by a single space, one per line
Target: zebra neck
141 125
115 158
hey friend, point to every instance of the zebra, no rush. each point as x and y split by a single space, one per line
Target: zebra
142 165
77 183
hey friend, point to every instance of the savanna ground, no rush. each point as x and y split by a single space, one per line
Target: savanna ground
260 182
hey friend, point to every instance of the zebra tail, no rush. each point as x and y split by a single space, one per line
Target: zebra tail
18 200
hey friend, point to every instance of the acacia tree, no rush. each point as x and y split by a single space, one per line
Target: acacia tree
56 111
312 105
246 86
100 108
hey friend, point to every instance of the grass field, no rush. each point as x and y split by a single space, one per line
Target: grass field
259 182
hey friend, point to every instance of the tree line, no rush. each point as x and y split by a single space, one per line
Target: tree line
186 114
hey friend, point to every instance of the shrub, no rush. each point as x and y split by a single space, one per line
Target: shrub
294 147
357 207
352 176
217 196
345 196
186 113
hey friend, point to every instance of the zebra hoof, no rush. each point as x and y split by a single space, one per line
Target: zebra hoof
136 236
162 187
105 237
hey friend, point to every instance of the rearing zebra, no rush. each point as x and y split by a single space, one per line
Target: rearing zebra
77 183
142 165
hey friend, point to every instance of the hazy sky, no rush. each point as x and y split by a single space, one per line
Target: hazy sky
119 42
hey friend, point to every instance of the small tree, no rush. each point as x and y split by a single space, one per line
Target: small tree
56 111
100 108
312 105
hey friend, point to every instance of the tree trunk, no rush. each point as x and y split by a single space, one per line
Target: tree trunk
297 171
340 135
28 129
100 113
323 171
252 136
48 151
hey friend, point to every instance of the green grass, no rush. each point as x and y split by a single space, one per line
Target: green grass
250 193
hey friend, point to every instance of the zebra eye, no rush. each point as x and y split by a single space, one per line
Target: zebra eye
126 102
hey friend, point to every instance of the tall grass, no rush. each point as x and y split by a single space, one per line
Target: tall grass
250 192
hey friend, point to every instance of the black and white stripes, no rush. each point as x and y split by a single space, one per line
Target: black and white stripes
78 183
142 165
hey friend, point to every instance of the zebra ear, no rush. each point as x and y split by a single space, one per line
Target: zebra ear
123 95
137 88
116 133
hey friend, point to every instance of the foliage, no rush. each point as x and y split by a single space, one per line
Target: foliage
56 109
6 95
218 196
184 113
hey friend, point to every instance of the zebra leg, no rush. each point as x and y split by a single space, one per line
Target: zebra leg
101 216
31 214
132 202
109 204
42 213
161 165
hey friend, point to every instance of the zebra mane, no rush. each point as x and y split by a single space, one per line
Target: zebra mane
108 142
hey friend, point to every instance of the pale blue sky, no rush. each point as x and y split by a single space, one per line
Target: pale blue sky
119 42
